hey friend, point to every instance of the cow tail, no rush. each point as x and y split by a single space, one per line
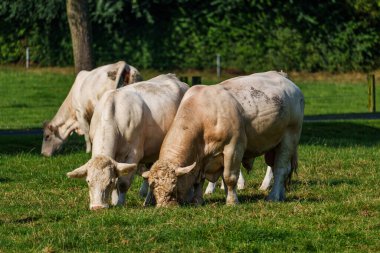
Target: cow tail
293 169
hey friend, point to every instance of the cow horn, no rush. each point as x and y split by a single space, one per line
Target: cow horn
78 173
123 169
145 174
180 171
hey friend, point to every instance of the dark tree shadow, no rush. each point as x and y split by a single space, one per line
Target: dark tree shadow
339 134
24 142
5 180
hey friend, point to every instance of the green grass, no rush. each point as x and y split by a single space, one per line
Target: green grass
28 98
333 205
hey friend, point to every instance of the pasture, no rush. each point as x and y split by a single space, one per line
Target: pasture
333 204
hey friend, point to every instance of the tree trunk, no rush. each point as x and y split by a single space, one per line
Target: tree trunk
81 34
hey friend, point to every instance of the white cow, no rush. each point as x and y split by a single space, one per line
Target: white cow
76 110
219 127
127 129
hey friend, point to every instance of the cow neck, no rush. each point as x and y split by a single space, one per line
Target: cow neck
106 140
180 147
65 112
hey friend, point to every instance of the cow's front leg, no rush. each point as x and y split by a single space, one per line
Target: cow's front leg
114 197
232 159
240 183
85 129
149 199
123 185
88 143
144 188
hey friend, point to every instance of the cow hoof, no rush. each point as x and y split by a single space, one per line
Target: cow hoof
232 201
143 192
197 201
275 198
209 191
263 187
210 188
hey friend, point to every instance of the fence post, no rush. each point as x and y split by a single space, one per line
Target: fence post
27 58
196 80
218 66
371 93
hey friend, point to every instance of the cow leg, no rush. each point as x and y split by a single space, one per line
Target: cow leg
149 199
124 182
232 159
241 181
282 166
210 188
123 185
114 197
267 179
85 127
144 188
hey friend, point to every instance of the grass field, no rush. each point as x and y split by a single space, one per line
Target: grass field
28 98
333 205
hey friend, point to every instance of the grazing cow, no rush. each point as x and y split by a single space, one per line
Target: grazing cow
128 127
76 110
218 127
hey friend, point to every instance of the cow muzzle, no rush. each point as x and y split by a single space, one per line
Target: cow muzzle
46 154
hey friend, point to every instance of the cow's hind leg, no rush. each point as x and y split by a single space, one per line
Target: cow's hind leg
240 183
267 179
282 166
210 188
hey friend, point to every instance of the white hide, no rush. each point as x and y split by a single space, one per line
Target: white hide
129 125
77 109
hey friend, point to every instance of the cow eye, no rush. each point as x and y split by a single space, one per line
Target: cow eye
88 181
47 137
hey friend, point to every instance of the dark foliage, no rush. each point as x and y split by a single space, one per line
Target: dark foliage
250 35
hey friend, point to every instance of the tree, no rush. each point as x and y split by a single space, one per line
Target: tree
81 34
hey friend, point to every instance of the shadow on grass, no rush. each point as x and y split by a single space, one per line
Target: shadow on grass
331 133
31 143
254 198
5 180
27 219
340 134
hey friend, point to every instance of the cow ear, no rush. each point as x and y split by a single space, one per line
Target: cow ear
134 76
78 173
146 174
45 124
184 170
123 169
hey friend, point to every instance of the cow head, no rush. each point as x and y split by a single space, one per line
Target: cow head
52 141
170 184
101 173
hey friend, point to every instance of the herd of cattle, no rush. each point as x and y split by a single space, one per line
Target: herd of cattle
176 137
